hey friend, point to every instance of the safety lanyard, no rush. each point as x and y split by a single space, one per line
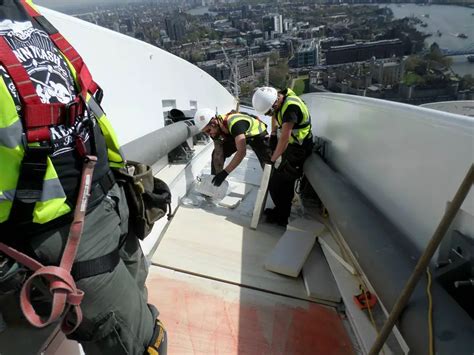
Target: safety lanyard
66 296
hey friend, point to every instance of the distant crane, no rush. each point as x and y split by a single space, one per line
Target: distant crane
235 75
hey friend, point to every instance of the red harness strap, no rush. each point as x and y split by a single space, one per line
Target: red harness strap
84 76
37 116
66 296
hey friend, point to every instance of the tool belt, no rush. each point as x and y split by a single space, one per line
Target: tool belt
292 160
148 197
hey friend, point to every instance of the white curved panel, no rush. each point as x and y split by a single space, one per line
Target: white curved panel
458 107
407 160
136 77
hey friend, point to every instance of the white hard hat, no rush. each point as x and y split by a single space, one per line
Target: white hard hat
264 98
202 117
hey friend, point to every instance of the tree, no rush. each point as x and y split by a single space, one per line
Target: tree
274 56
436 55
467 82
279 75
246 89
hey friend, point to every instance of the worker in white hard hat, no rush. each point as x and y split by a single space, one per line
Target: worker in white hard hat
295 143
231 134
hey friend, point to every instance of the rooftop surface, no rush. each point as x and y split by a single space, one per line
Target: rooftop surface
214 295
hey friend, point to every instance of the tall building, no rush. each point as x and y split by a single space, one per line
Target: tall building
307 54
245 68
267 24
272 23
175 28
287 25
278 23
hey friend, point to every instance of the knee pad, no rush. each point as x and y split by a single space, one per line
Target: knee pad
159 341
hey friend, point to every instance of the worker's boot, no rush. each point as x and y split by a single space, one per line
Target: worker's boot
159 341
274 217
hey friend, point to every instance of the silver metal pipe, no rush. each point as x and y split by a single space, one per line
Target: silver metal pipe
155 145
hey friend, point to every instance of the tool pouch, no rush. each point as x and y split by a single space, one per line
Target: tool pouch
292 162
148 197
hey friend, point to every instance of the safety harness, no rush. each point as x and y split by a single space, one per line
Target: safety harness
37 118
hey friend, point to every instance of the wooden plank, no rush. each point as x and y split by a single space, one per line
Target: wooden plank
318 278
306 225
221 246
329 244
204 316
348 287
290 253
261 196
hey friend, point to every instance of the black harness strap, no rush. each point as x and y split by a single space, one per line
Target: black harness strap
30 183
93 267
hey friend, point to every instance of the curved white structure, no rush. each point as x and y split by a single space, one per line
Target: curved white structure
407 160
465 108
140 81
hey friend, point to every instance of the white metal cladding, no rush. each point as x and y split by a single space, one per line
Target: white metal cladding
136 77
407 160
458 107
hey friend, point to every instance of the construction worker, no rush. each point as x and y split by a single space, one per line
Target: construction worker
291 116
56 153
231 134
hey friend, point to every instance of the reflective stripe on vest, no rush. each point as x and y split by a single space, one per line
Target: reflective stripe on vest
11 150
114 152
300 130
10 136
256 127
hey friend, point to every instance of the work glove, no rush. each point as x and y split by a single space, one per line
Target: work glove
219 178
273 142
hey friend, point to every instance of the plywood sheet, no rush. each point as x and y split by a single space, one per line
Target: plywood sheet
307 225
318 278
261 196
204 316
349 286
218 244
290 253
329 244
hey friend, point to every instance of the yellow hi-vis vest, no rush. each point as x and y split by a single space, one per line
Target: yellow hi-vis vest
53 199
302 129
256 127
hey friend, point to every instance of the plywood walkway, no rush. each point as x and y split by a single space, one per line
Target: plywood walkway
210 317
201 242
209 282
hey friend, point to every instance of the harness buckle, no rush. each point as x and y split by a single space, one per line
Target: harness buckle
99 95
71 112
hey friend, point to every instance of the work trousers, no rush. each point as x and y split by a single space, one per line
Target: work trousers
116 317
283 178
224 148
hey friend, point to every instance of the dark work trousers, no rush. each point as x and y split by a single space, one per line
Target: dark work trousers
224 148
116 317
282 180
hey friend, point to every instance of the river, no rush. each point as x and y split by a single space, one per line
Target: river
450 21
